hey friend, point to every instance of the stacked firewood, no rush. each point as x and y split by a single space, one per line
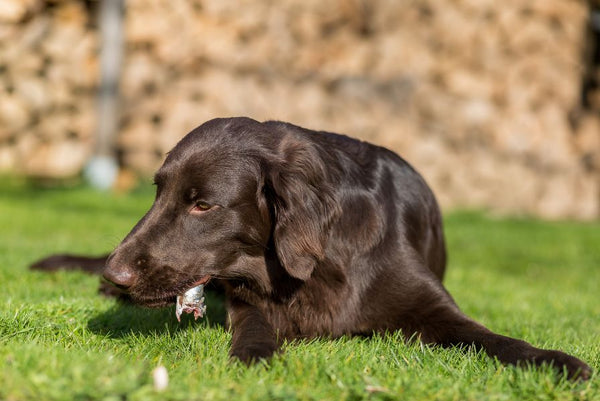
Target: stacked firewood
48 71
483 97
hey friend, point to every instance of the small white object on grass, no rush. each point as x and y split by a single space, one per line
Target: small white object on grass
101 172
161 378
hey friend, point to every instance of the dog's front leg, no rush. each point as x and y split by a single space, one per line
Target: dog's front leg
253 336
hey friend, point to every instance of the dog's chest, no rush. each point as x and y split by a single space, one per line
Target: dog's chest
310 314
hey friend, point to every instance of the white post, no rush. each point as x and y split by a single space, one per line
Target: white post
102 169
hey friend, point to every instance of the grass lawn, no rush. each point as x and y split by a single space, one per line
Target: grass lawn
59 340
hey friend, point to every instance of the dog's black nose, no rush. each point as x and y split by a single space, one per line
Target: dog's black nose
122 277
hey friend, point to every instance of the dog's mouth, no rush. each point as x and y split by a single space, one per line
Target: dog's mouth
157 302
194 301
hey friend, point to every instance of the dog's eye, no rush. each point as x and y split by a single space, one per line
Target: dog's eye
201 206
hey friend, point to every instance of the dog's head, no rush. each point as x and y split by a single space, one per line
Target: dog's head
231 194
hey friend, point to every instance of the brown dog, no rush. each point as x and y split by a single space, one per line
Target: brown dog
310 233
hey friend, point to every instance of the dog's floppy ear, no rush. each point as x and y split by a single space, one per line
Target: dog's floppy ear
302 205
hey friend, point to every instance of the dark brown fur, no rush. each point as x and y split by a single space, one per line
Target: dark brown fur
310 233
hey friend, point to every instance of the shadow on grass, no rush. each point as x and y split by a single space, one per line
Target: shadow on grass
127 319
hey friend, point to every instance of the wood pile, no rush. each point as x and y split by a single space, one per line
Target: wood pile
48 71
477 94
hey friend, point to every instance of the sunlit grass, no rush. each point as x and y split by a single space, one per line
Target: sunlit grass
59 340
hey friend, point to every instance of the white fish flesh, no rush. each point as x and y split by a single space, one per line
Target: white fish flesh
191 302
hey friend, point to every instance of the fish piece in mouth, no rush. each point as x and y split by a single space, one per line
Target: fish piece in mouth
192 301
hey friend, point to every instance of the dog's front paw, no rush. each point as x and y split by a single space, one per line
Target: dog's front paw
251 353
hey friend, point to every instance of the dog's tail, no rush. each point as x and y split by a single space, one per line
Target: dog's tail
88 264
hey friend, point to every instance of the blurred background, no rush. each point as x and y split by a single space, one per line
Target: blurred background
496 103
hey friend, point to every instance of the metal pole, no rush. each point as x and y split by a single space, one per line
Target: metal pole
102 169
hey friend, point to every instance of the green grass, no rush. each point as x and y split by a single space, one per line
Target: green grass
59 340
